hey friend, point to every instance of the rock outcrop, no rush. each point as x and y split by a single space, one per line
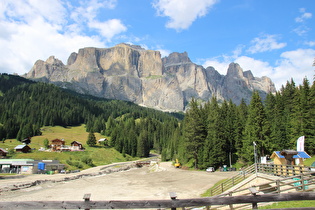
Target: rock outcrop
131 73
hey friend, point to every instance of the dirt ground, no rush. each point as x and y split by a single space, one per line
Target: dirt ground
147 183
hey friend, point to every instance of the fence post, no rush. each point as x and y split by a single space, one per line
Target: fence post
173 197
278 186
231 205
303 184
86 198
253 191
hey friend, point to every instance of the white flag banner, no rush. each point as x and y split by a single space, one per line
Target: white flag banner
300 144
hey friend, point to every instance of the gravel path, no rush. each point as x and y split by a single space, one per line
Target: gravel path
148 182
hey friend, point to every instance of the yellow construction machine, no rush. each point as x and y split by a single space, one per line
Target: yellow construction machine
177 164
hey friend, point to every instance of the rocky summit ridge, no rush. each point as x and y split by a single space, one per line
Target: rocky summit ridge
131 73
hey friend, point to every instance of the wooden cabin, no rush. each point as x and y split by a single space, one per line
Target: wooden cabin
289 157
22 148
3 153
57 144
75 146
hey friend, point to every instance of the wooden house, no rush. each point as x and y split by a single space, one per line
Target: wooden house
3 153
22 148
289 157
103 141
75 146
57 144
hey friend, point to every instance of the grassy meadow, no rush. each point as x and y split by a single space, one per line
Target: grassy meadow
92 156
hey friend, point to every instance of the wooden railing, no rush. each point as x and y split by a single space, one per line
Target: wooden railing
244 174
282 170
271 169
283 179
174 203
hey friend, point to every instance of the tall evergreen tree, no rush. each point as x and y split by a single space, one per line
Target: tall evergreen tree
256 129
194 132
91 141
143 149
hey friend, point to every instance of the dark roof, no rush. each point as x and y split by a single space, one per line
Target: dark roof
58 140
288 152
298 155
3 150
76 142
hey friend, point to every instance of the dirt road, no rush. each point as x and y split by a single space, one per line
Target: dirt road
154 182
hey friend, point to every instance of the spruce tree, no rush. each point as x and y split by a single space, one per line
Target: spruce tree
91 141
256 129
194 132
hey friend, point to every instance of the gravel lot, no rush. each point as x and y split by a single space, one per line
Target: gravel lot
147 183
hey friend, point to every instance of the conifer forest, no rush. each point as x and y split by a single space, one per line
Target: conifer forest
212 133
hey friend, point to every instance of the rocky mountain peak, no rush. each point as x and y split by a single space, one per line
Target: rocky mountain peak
131 73
176 58
235 70
249 75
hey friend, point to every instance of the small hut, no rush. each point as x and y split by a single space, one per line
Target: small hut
22 148
75 146
289 157
3 153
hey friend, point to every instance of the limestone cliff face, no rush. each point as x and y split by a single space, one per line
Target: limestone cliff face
128 72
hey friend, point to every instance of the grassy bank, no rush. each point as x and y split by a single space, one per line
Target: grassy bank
92 156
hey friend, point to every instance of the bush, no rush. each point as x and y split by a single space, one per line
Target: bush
87 160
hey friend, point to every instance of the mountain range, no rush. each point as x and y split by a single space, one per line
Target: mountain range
131 73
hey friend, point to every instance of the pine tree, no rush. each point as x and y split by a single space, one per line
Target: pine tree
194 132
143 149
91 141
256 129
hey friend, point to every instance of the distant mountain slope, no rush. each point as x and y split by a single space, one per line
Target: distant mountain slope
26 106
128 72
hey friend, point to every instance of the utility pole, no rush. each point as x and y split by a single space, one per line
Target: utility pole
255 157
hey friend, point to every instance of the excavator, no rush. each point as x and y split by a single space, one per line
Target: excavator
177 164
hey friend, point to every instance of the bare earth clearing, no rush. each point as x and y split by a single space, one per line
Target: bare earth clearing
147 183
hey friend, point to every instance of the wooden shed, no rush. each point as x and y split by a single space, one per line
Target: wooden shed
75 145
22 148
289 157
3 152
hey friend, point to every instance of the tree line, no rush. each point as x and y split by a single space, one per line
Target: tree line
216 134
210 133
26 106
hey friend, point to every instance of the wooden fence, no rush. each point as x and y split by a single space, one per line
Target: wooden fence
173 203
281 171
244 174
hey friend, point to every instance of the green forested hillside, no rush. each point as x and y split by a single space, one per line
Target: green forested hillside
26 106
214 134
210 134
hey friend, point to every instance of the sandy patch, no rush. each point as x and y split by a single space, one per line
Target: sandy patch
154 182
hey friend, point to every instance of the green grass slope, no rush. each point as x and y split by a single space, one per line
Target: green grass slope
92 156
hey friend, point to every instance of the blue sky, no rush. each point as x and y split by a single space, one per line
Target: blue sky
273 38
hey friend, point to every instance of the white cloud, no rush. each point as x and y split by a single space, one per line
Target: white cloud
310 43
220 66
108 29
182 13
259 68
265 43
164 52
35 29
304 16
86 16
296 64
302 29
